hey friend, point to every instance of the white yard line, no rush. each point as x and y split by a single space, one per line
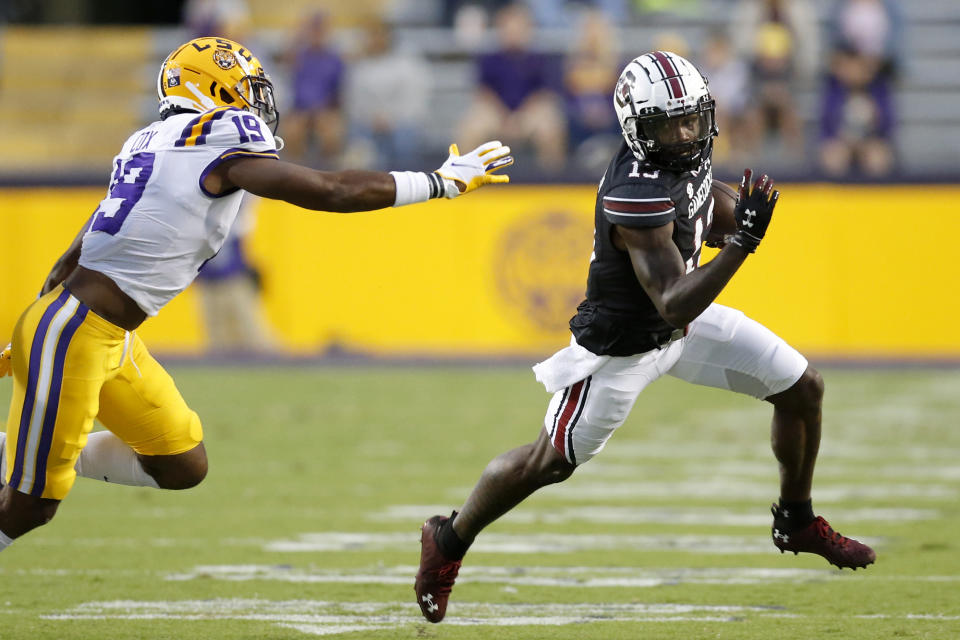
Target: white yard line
333 541
333 618
764 468
574 577
708 450
327 618
724 488
709 516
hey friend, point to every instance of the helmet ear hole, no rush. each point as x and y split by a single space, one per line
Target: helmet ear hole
226 97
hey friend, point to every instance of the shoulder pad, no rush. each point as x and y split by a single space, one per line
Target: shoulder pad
638 204
228 128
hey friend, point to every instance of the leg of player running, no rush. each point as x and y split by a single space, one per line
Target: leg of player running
106 457
508 480
795 434
505 483
180 471
20 512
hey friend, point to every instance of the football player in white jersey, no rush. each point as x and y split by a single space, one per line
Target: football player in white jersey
650 312
175 190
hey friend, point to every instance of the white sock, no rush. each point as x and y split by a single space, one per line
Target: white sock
106 457
5 540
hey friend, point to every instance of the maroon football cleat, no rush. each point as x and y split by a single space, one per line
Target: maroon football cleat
820 538
437 573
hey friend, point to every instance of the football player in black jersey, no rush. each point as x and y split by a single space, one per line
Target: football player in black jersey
650 310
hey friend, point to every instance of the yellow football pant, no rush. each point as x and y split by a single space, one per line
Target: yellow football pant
71 366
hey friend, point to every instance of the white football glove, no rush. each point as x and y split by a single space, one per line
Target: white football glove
463 174
5 364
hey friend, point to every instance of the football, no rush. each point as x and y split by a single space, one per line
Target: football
724 202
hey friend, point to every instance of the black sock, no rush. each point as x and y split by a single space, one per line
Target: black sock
449 542
797 514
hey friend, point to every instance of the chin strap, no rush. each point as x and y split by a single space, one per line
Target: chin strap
279 142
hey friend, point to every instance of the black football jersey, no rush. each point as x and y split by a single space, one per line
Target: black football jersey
618 318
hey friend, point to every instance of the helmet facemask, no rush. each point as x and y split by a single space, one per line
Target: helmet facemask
257 92
679 141
665 111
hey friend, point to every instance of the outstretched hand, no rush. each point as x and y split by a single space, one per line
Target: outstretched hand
5 363
464 173
754 210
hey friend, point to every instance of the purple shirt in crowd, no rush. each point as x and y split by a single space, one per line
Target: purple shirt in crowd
317 79
835 120
515 75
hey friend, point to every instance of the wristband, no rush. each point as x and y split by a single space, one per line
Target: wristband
416 186
743 240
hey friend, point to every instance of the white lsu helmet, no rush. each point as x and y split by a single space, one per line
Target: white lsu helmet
657 95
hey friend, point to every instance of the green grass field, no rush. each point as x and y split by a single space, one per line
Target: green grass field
308 524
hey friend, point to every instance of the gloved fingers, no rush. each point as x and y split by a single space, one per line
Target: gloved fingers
744 185
489 147
761 183
499 163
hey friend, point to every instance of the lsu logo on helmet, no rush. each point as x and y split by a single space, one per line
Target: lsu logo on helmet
207 73
224 59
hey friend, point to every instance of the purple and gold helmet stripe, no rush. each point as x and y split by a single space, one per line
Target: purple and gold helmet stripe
38 416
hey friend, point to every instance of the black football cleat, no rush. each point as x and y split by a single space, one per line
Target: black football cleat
819 537
437 572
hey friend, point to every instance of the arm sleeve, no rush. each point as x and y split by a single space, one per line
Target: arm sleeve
638 205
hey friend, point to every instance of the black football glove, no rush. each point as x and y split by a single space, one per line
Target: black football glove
753 211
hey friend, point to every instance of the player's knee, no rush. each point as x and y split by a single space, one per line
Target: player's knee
177 472
806 394
19 513
188 475
811 389
546 465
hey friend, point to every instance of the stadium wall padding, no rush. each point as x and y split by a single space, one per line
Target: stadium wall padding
846 271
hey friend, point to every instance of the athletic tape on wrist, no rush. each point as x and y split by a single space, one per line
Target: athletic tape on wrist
416 186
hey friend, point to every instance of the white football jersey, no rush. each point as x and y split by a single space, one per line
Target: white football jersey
158 225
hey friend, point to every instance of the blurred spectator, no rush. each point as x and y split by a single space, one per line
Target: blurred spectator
680 7
229 19
671 41
779 39
314 129
386 101
517 98
452 9
229 287
729 79
545 13
566 13
590 74
218 18
857 120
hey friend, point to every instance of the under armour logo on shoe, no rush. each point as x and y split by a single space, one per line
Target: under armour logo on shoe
748 214
780 536
431 605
